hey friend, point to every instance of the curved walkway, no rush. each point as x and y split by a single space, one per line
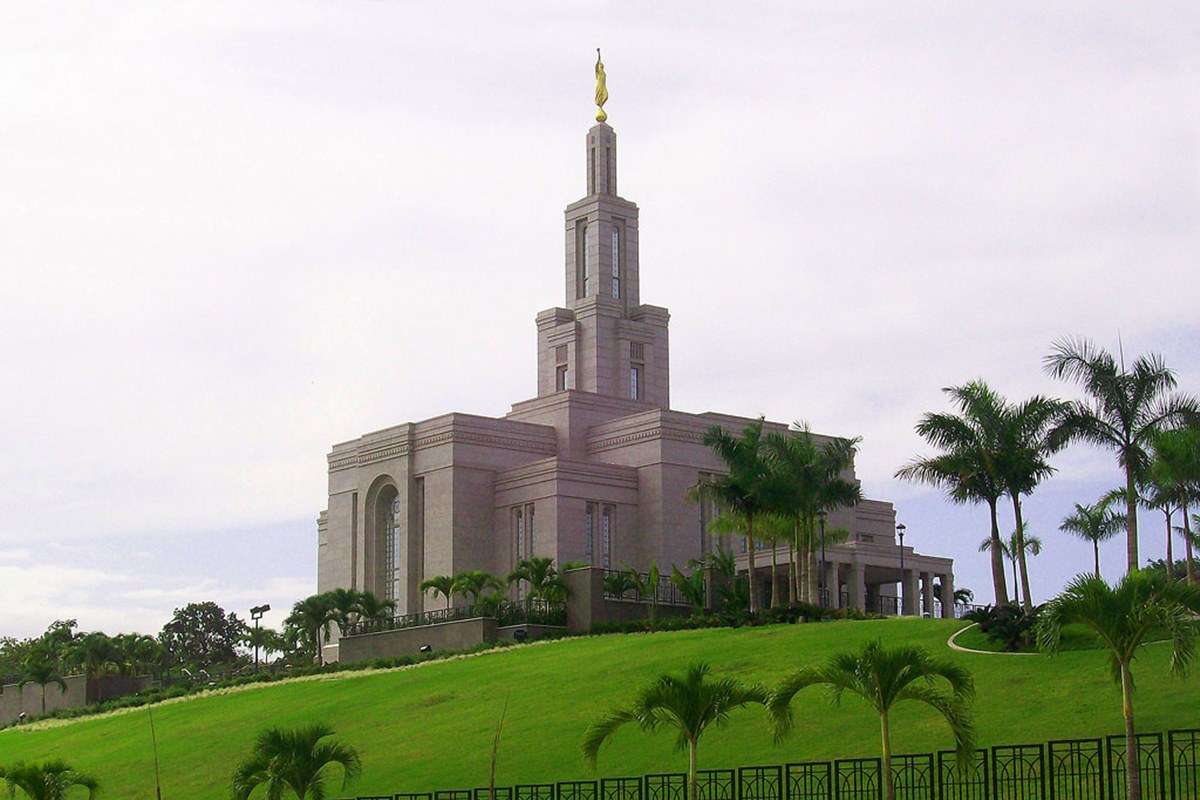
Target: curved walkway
955 646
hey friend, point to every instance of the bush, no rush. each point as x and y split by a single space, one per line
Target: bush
1009 625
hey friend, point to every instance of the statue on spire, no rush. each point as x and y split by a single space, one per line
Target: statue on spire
601 89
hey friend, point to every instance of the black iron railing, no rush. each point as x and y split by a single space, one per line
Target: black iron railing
528 612
619 585
1064 769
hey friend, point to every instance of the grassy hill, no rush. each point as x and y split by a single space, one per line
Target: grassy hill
431 726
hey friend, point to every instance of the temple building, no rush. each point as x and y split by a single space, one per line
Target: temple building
595 468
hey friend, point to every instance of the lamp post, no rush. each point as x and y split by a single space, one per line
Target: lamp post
823 600
900 529
256 614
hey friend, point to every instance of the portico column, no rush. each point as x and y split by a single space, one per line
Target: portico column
927 593
911 590
857 586
833 584
948 596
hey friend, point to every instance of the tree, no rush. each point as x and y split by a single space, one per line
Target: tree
1125 410
202 634
1015 544
886 677
807 477
545 582
689 704
1025 443
1123 617
52 780
345 604
41 669
1095 523
647 586
691 586
475 582
311 618
373 610
441 584
297 760
1175 471
743 490
968 466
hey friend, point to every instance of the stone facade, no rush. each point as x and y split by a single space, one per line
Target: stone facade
595 468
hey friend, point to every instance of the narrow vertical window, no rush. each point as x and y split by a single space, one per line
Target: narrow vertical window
519 553
560 378
589 533
529 530
585 277
635 382
606 536
616 262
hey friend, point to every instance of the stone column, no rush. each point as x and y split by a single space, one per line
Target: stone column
833 584
947 596
927 593
857 586
911 590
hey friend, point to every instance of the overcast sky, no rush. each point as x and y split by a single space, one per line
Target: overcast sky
233 234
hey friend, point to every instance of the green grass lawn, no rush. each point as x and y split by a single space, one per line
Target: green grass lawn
431 726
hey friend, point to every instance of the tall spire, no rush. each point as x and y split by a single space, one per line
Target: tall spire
601 89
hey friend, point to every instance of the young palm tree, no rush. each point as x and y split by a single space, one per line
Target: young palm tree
443 585
545 582
1095 523
373 610
885 677
744 489
1123 617
294 759
1025 444
52 780
41 670
1015 544
968 466
690 704
475 582
690 586
1125 410
1175 470
312 616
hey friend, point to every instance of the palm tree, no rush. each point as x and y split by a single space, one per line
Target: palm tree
1025 443
1125 410
312 617
40 669
475 582
1015 544
885 677
743 490
1122 617
52 780
690 586
1095 523
1175 470
344 603
968 466
373 610
443 585
545 582
689 704
294 759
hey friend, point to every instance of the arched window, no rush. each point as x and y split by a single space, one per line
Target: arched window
387 514
616 262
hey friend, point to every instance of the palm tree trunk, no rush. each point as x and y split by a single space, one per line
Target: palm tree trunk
889 782
774 577
997 550
1131 532
1187 544
753 579
693 789
802 574
1170 551
1026 597
1132 773
793 577
1096 549
1016 586
814 577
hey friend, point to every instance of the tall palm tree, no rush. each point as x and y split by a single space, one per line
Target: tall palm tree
52 780
312 617
808 476
1095 523
886 677
1175 470
690 704
344 603
1025 444
1125 410
294 759
968 467
475 582
1009 548
40 669
1140 605
744 489
443 585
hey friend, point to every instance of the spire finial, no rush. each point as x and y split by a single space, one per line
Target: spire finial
601 89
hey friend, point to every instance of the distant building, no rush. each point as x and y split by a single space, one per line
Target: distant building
595 468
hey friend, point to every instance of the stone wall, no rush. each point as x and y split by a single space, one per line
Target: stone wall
15 699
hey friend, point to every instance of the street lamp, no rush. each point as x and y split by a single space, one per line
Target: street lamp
824 598
256 614
900 529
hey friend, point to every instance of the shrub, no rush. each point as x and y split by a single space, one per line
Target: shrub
1008 624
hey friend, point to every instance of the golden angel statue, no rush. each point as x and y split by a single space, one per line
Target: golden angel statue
601 89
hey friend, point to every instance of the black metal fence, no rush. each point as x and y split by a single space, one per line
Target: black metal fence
664 593
506 612
1064 769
